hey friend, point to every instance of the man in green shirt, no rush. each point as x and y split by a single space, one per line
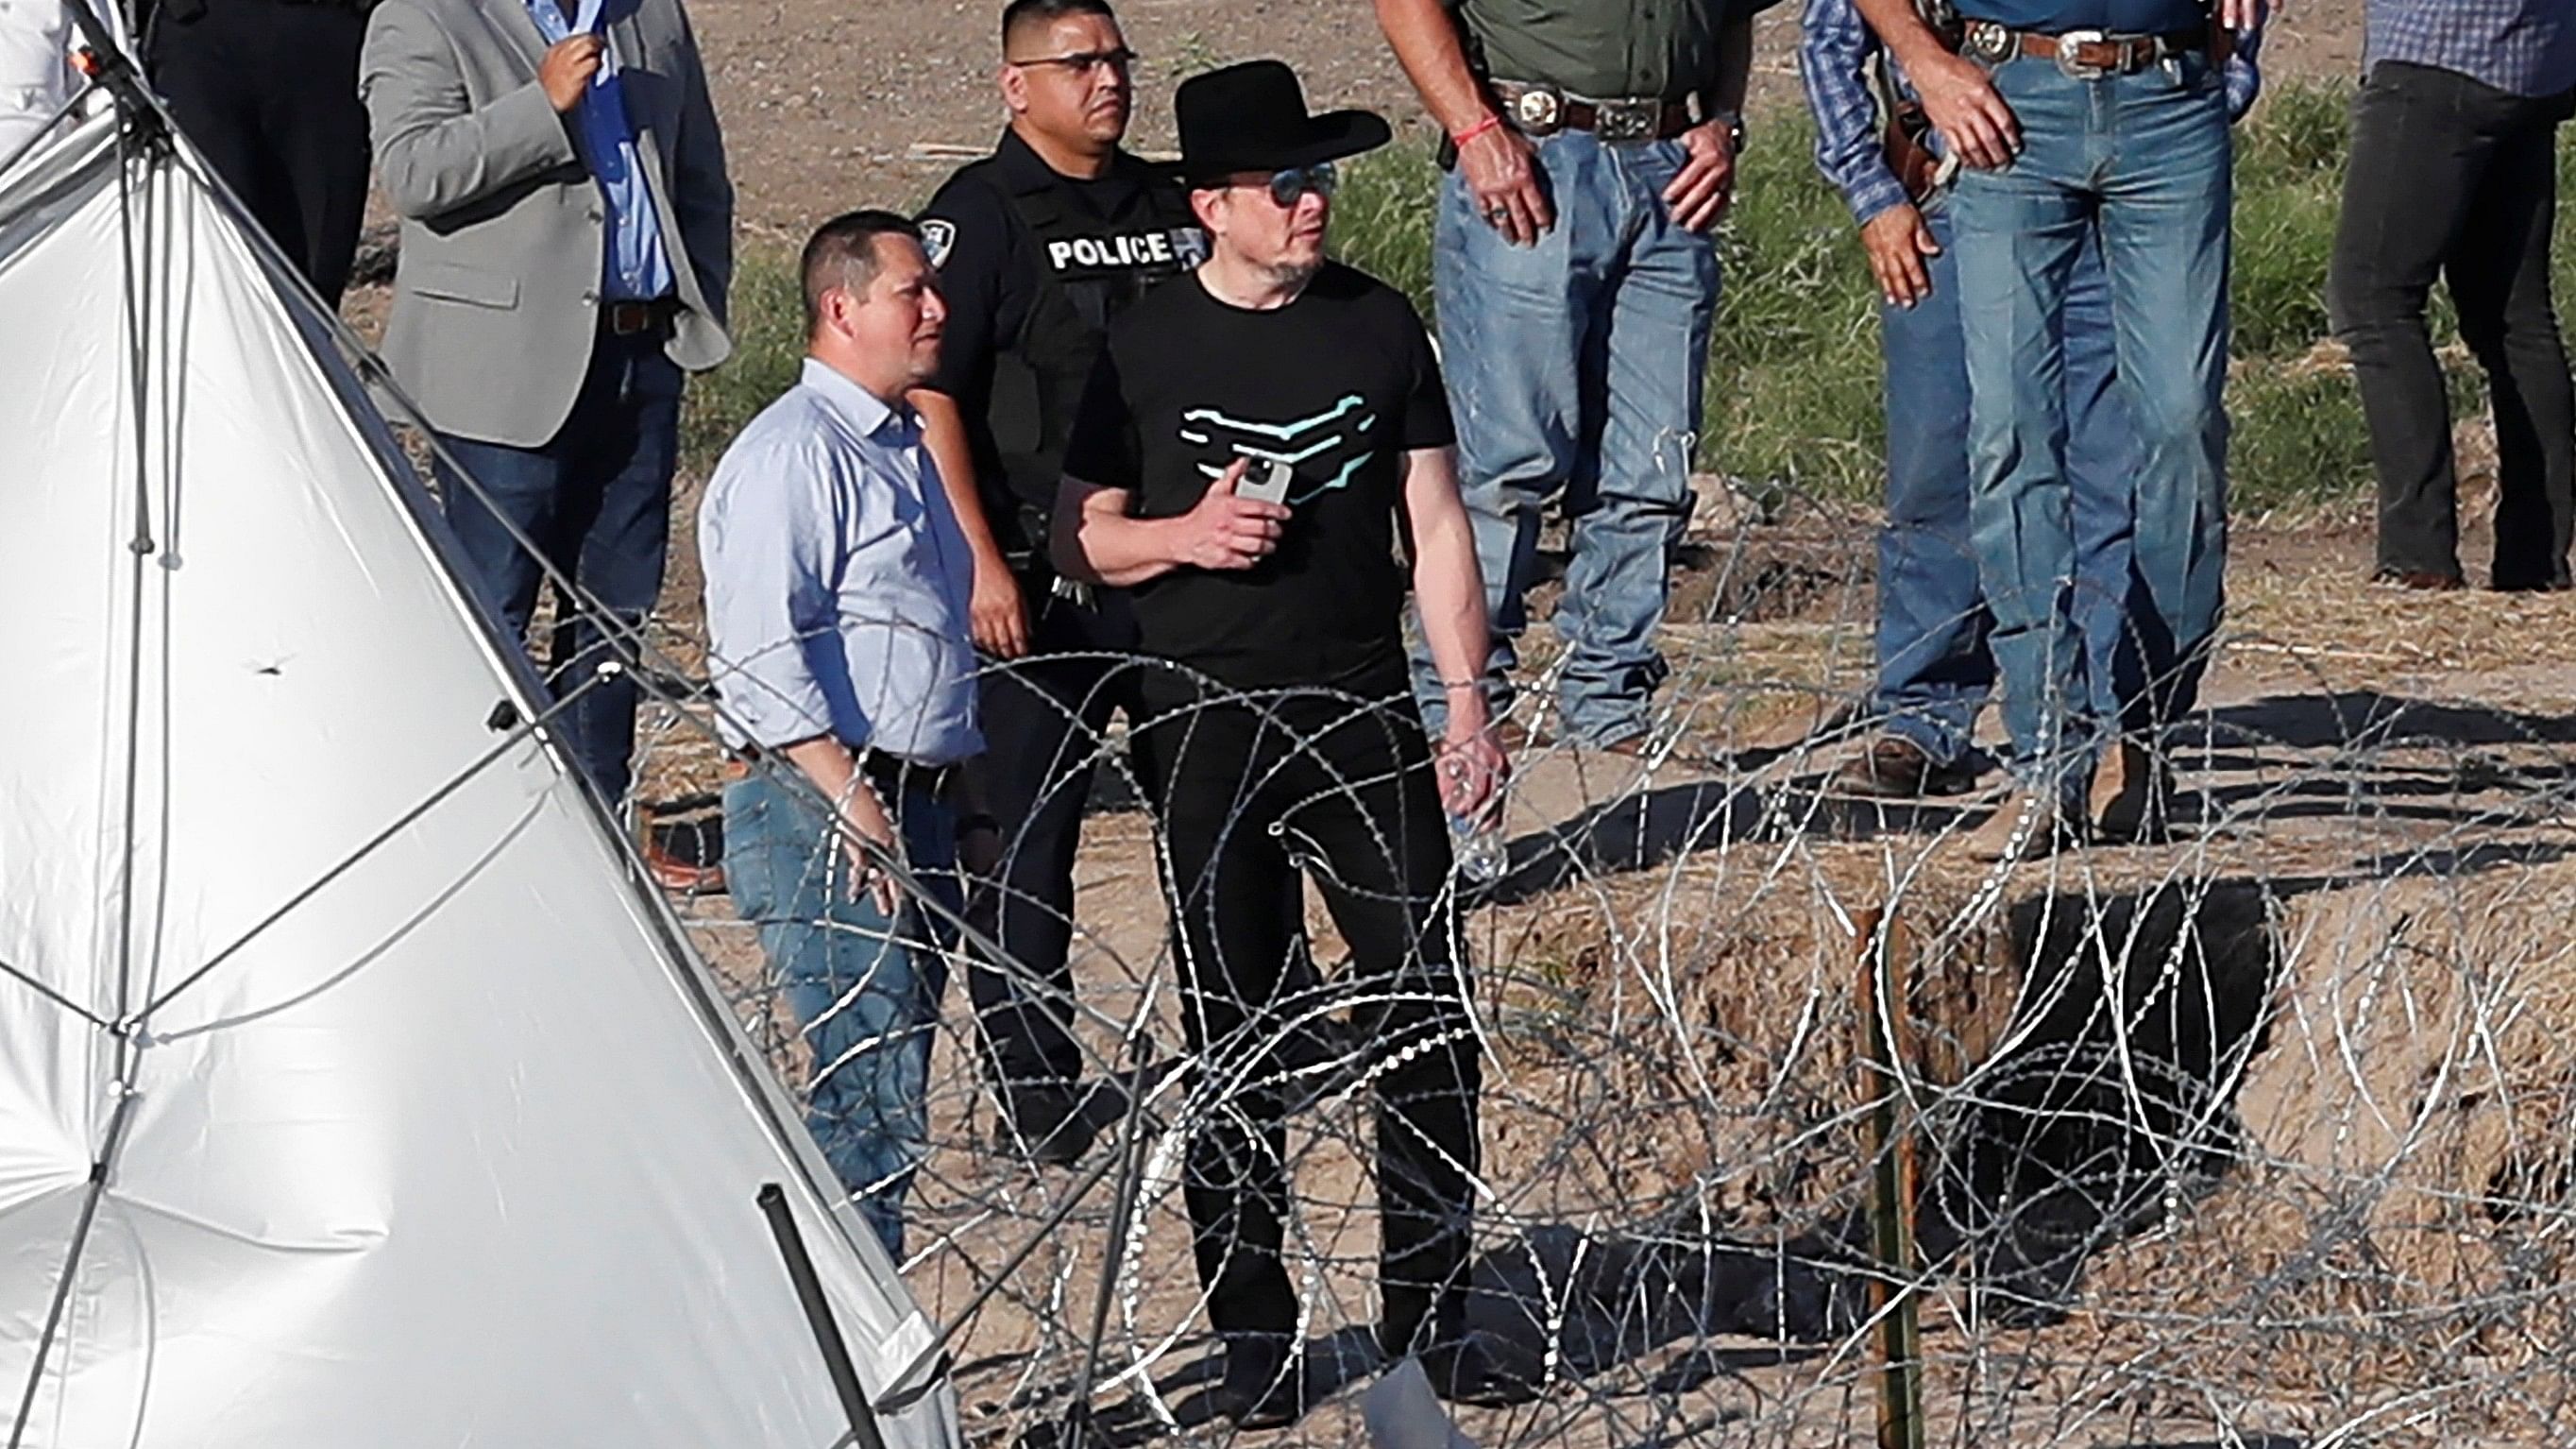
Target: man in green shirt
1595 146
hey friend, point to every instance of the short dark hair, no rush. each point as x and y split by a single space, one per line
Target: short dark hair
842 253
1021 13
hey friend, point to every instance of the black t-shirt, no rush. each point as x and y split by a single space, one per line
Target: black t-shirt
1342 384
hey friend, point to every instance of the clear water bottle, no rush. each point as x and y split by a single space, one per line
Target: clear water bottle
1478 847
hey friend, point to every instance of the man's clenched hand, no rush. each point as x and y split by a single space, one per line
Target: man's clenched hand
566 71
1227 531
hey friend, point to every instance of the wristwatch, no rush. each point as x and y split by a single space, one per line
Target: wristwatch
1734 123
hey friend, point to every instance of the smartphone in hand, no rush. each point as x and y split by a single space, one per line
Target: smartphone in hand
1266 481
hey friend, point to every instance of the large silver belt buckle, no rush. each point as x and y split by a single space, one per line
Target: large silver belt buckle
1625 120
1988 41
1539 110
2073 41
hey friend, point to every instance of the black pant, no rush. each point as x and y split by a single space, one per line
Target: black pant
268 90
1250 790
1044 718
2449 175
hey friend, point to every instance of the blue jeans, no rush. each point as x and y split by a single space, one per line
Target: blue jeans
1574 368
864 986
596 498
1934 667
2145 159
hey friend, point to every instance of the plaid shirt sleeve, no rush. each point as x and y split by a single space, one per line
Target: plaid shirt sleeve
1833 55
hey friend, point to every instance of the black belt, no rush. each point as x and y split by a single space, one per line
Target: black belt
2081 54
893 775
1538 109
629 319
889 775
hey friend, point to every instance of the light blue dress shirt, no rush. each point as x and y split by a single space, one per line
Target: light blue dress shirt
637 269
837 581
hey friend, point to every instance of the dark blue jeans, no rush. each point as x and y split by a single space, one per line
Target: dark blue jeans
596 501
1934 669
2144 161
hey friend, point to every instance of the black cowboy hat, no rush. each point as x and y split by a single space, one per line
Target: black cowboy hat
1252 117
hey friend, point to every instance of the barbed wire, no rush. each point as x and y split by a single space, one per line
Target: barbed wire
2264 1135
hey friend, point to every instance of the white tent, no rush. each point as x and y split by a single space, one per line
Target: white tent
353 1089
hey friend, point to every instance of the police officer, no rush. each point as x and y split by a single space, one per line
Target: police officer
1038 245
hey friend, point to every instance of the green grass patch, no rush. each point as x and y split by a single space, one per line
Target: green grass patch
768 350
1793 367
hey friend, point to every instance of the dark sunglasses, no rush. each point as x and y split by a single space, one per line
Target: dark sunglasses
1289 186
1084 62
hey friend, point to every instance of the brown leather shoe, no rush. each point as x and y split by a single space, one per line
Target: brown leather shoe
1893 767
2424 579
681 877
2126 801
2024 827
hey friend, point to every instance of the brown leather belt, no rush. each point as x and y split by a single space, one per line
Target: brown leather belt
2081 54
1543 110
627 319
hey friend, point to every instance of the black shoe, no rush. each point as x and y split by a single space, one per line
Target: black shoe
2426 580
1264 1385
1470 1369
1055 1123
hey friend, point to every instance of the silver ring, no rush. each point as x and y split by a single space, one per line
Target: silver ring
1497 213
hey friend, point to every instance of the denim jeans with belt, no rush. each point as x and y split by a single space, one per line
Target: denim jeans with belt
2145 159
1934 668
1574 369
595 499
864 986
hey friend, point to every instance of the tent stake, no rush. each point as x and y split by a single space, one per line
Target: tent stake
818 1314
1883 1003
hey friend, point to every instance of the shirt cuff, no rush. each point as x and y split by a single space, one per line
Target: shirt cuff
1872 194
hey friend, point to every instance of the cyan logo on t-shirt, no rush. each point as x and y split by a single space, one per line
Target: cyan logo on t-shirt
1326 450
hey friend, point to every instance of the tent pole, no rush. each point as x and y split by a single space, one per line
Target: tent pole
98 1173
818 1315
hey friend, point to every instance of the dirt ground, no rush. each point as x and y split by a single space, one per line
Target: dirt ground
830 106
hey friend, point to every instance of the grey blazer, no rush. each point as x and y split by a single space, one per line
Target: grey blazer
496 296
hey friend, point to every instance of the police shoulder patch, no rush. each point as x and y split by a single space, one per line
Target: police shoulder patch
938 238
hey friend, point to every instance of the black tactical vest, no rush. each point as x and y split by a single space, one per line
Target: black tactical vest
1089 267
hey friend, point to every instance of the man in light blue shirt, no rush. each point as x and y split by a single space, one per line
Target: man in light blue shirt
837 591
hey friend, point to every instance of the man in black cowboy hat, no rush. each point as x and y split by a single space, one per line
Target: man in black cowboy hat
1255 442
